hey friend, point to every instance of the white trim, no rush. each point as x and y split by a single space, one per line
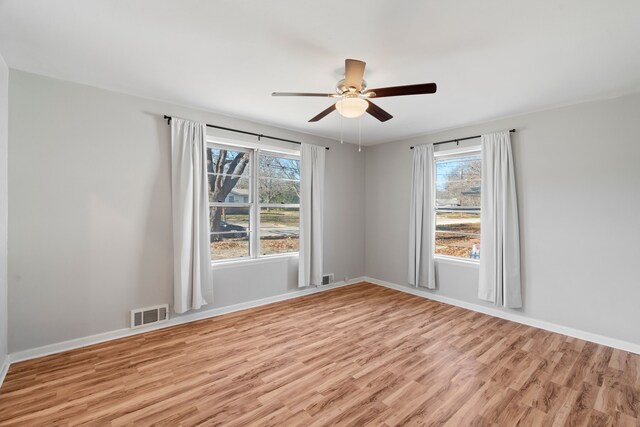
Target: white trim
46 350
122 333
229 205
518 318
454 152
254 197
254 207
4 368
280 205
233 146
245 261
456 261
270 146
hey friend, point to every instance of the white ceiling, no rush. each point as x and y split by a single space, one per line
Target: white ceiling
490 58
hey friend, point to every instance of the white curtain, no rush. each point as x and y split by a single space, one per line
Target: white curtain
190 208
422 219
312 159
499 235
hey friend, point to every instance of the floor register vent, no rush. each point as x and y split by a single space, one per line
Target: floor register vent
327 279
149 315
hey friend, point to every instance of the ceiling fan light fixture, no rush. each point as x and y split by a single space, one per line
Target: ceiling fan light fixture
354 95
352 107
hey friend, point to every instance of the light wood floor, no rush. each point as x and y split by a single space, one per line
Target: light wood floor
359 355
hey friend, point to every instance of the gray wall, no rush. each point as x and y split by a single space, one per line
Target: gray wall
90 227
578 181
90 211
4 135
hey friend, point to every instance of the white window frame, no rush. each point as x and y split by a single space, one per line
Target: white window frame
452 154
259 205
253 203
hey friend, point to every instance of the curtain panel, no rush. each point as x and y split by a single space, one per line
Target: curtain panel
312 161
422 219
499 234
190 209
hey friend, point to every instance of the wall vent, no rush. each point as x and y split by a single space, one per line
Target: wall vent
148 315
327 279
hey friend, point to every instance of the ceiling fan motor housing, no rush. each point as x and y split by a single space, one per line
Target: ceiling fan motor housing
343 89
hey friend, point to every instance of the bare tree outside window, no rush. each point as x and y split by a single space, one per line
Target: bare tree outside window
236 196
226 169
458 180
279 198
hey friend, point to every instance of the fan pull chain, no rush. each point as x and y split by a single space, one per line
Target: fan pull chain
341 119
360 134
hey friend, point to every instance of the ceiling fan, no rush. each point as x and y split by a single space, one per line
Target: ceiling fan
356 98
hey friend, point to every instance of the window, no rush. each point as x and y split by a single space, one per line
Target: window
254 202
457 206
279 193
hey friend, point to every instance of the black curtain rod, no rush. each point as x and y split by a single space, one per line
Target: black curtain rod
259 135
460 139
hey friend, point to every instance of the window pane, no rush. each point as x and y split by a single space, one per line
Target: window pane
229 232
462 222
279 179
279 167
458 245
228 189
274 190
229 220
279 230
228 162
229 245
458 181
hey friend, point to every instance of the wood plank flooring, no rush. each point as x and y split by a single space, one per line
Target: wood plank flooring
358 355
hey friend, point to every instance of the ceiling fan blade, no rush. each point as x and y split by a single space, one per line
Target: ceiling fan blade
323 95
378 112
354 73
324 113
419 89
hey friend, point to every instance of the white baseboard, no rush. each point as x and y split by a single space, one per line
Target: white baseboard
4 368
514 317
121 333
46 350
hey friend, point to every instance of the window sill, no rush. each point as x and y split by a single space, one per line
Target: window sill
253 261
457 261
